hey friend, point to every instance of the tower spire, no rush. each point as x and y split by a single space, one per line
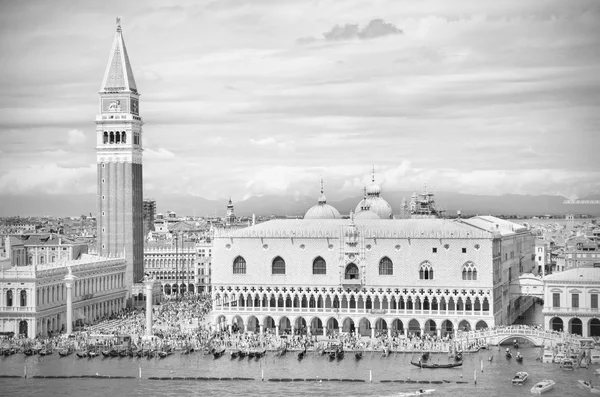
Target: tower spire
322 199
119 75
373 174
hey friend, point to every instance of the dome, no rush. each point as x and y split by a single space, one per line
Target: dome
322 211
373 190
377 205
366 214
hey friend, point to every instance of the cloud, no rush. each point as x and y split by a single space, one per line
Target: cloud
264 141
378 28
75 137
375 28
48 179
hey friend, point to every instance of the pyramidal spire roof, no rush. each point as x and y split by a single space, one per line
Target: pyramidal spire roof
118 75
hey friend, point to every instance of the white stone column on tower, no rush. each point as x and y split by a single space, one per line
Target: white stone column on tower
69 280
149 283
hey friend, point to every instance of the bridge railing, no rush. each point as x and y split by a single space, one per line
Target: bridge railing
510 332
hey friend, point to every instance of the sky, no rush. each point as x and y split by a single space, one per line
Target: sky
255 97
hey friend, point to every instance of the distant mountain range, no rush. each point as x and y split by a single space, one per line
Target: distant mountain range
468 204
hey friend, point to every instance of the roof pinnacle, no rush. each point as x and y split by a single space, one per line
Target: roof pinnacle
373 174
118 24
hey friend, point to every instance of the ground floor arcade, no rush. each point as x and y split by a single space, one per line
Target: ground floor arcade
332 323
54 320
584 326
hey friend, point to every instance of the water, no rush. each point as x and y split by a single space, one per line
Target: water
494 381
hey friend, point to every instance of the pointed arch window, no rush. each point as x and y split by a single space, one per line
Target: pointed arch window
319 266
278 266
426 271
239 265
469 271
386 267
351 272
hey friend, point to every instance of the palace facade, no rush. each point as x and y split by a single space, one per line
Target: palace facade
33 301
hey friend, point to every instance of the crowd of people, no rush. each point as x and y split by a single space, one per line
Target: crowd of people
181 322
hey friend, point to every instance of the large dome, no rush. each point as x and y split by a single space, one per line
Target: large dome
377 205
322 210
366 214
373 202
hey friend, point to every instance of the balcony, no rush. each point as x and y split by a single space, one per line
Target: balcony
17 309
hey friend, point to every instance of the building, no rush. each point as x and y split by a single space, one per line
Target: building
149 212
423 205
542 256
513 256
582 252
571 301
119 158
368 275
203 265
33 299
230 215
173 264
40 249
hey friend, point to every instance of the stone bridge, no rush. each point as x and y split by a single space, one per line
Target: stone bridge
527 285
537 337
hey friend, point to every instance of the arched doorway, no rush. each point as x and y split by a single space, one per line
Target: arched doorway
191 288
481 325
556 324
464 326
269 324
430 327
364 327
594 327
167 289
397 327
252 324
414 327
348 325
300 326
381 326
576 326
285 327
447 328
351 272
23 328
316 326
237 324
332 325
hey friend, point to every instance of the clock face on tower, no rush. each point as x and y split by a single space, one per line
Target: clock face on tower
135 106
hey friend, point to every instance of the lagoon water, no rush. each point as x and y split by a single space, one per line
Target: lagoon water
495 380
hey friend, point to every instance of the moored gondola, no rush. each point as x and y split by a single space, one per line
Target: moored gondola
218 353
358 355
28 352
435 366
301 354
508 354
65 352
234 353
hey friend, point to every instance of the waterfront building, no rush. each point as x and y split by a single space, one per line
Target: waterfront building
571 301
119 157
33 298
368 275
203 265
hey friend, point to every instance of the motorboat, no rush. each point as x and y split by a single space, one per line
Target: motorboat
516 344
587 385
508 353
520 378
567 364
559 357
543 386
420 392
548 356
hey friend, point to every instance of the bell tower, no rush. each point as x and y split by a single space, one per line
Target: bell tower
119 162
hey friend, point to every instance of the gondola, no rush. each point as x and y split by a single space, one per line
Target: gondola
28 352
113 353
123 353
508 354
519 358
301 354
458 357
141 353
92 354
218 353
81 354
260 354
331 354
45 352
339 354
241 354
234 353
358 355
281 352
435 366
425 356
516 344
65 352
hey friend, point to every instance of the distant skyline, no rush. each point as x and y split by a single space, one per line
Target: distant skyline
248 97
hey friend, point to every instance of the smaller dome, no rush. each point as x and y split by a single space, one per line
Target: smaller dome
322 211
374 190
